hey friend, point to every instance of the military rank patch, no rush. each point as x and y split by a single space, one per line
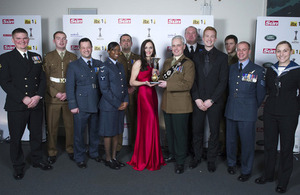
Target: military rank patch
102 78
36 59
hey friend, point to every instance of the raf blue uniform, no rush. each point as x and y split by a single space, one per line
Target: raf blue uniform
83 92
113 86
246 93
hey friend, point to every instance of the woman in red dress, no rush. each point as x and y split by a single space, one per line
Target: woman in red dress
147 151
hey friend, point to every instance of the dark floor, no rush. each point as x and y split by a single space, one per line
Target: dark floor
67 178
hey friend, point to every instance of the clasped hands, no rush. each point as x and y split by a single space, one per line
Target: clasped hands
203 105
31 102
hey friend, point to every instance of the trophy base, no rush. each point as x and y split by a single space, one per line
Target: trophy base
155 82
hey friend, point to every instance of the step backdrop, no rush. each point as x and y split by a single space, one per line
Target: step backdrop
102 29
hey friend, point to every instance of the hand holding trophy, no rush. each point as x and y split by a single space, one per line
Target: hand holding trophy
154 77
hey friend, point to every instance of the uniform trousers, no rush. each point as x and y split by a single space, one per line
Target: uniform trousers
245 130
285 127
17 121
54 111
214 117
81 121
177 131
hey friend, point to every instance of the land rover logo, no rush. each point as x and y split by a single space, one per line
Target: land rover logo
270 37
267 64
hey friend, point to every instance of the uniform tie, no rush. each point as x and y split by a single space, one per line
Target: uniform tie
25 56
89 64
241 67
127 56
206 64
61 55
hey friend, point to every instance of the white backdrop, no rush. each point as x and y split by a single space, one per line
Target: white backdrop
102 29
32 24
269 32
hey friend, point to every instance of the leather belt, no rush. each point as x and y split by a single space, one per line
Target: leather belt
58 80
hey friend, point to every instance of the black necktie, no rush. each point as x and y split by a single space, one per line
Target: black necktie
24 55
206 64
192 49
89 64
241 67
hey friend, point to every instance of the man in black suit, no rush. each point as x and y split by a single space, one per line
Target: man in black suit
207 93
23 79
192 47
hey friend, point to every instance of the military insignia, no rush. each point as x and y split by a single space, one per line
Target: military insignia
249 77
96 70
36 59
102 78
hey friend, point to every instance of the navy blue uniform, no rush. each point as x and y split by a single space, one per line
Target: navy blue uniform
246 93
21 77
113 86
83 92
281 114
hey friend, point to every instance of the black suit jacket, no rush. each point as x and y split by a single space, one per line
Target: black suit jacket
20 77
191 55
214 84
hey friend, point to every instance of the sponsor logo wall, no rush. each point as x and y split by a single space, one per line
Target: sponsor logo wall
269 32
102 29
32 24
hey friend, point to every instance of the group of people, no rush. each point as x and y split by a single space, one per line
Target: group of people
86 92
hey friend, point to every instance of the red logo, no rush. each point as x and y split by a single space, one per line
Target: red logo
8 21
271 23
124 21
6 35
8 47
74 47
269 51
76 21
174 21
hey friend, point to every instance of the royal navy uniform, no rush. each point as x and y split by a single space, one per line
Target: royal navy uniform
131 111
21 77
83 92
55 68
246 93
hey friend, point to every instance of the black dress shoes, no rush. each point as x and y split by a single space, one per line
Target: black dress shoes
71 156
112 164
244 177
179 169
280 189
262 180
51 159
194 163
42 165
211 167
170 159
119 163
231 170
18 174
81 165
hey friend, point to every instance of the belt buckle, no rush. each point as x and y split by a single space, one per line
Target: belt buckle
62 80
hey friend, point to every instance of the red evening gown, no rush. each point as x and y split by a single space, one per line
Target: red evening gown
147 151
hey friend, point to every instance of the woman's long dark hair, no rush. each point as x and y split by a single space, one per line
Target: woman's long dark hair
143 54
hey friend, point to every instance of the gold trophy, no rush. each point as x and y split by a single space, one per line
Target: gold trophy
154 77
